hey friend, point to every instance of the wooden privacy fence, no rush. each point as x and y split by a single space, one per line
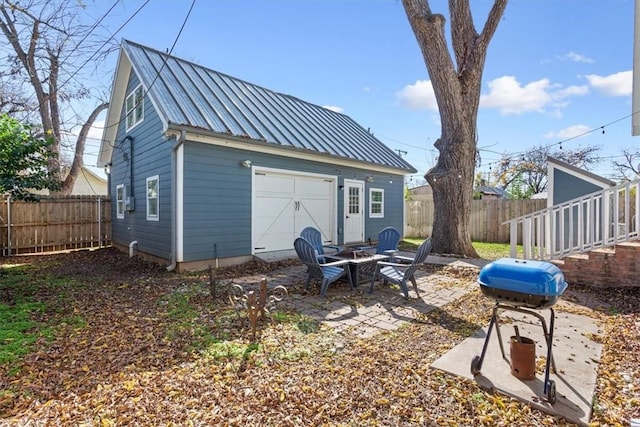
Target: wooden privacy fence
487 217
54 223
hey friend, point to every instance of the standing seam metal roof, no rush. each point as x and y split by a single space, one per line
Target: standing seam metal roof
194 96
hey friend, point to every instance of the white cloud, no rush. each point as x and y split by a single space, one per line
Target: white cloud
577 57
617 84
511 97
334 108
418 96
571 91
569 132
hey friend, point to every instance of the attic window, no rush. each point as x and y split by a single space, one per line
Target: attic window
135 107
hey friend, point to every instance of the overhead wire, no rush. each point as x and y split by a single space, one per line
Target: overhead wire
601 128
164 63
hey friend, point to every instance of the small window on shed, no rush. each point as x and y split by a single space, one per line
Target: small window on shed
376 203
152 198
135 107
120 201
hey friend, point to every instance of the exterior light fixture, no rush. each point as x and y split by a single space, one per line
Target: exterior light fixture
246 163
369 178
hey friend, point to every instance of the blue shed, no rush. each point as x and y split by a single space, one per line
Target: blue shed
206 168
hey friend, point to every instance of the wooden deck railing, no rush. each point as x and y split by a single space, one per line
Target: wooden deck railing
600 219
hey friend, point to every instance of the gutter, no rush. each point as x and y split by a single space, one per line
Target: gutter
174 198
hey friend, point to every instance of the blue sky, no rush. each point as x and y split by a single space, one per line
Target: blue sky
555 68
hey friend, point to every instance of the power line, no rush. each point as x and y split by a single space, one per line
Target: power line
164 63
559 143
93 27
105 42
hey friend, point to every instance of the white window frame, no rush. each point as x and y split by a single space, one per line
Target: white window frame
134 113
151 200
120 200
372 203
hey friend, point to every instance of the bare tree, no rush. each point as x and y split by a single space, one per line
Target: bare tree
527 175
629 168
46 44
457 90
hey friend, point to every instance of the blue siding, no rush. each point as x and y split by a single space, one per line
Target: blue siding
393 187
567 187
217 198
132 163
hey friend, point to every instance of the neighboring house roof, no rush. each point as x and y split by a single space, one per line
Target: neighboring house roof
421 189
493 191
574 170
87 183
188 95
541 195
90 183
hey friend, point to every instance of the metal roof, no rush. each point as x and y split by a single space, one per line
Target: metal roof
191 95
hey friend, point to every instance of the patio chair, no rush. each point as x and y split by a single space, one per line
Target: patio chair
313 236
326 272
388 239
402 269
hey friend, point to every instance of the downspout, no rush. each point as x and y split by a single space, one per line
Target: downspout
174 198
132 246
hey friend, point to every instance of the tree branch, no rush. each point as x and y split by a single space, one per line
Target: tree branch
78 161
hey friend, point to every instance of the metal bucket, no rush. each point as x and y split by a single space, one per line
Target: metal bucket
523 358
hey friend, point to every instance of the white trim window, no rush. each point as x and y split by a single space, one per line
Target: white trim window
120 195
135 107
153 199
376 203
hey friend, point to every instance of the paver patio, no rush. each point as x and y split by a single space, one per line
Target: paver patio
385 309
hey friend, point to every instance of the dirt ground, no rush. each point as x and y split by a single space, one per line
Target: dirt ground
132 345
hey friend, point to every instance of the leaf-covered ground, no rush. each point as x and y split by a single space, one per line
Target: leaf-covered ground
136 345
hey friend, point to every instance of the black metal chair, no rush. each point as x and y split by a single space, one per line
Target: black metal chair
327 273
402 269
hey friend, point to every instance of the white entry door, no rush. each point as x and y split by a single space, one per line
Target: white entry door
353 211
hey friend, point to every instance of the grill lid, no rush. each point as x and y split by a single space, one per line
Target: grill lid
525 276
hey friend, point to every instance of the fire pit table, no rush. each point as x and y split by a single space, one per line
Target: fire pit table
361 263
522 286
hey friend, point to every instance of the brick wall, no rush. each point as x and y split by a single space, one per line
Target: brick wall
604 268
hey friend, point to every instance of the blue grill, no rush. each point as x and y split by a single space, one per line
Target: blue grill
522 286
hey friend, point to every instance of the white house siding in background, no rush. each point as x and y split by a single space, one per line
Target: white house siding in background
88 183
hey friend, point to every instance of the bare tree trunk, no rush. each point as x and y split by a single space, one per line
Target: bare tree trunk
457 90
76 166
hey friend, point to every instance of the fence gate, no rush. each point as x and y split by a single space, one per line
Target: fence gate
54 223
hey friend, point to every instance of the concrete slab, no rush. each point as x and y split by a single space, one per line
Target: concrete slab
277 255
576 356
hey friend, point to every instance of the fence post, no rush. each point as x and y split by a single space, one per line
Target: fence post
9 225
99 222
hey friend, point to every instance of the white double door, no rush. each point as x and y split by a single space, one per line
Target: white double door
286 202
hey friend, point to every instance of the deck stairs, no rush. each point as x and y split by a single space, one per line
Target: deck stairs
594 238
